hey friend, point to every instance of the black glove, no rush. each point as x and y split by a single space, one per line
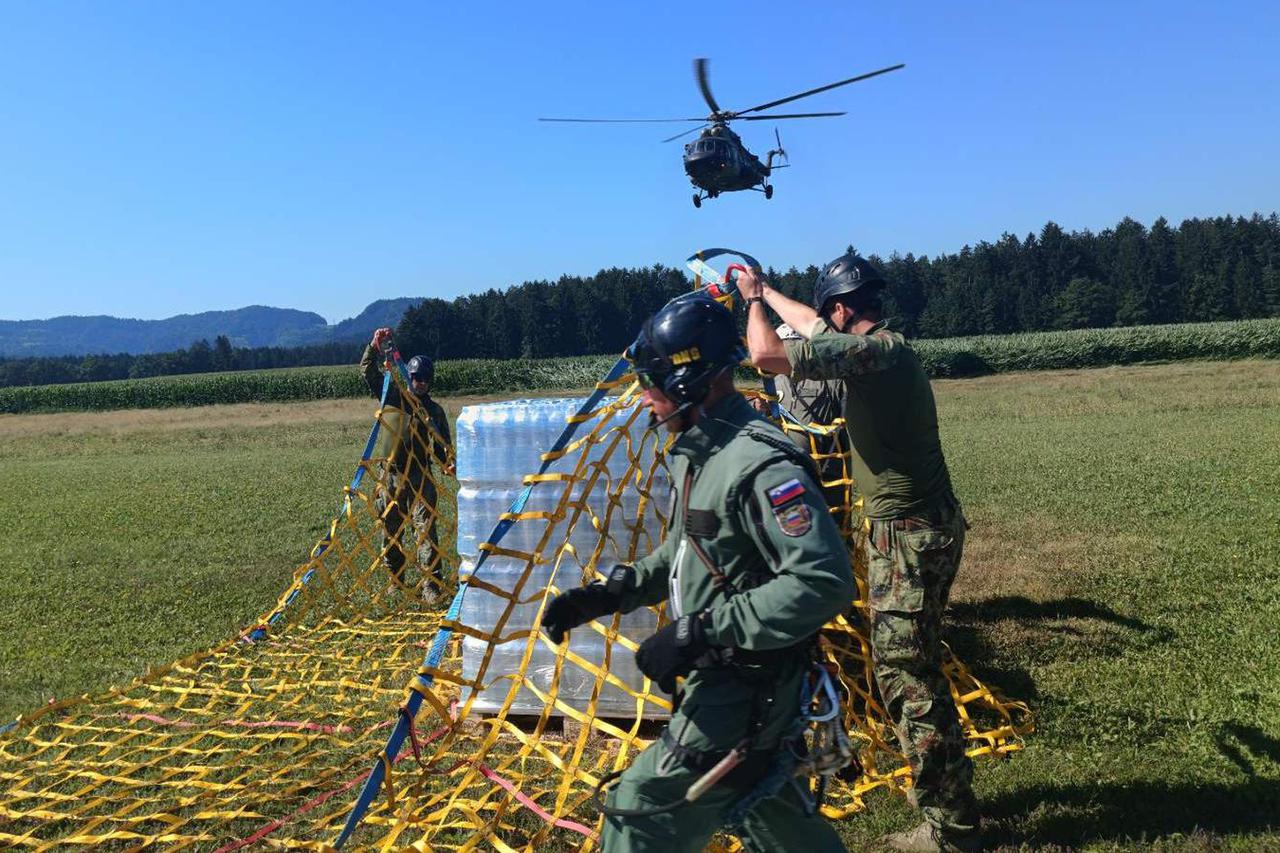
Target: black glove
673 650
579 606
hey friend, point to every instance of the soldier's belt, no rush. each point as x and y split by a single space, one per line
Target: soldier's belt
748 657
699 761
935 514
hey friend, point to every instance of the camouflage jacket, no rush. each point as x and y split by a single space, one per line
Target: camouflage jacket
889 412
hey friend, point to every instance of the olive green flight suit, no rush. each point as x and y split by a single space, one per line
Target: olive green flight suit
913 551
743 497
421 436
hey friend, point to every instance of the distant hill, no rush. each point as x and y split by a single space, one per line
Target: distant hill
384 312
255 326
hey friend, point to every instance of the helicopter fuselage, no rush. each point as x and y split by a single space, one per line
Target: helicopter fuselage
717 162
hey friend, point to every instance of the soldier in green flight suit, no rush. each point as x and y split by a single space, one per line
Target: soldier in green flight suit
752 566
917 527
423 438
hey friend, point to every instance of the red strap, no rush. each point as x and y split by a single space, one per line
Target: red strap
413 736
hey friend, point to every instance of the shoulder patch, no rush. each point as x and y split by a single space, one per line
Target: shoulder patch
795 519
787 492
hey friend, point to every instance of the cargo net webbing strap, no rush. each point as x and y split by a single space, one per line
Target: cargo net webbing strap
393 536
507 780
267 733
214 749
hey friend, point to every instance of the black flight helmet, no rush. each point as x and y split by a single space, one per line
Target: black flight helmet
422 368
681 349
846 274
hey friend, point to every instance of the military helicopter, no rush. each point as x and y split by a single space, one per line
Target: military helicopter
718 161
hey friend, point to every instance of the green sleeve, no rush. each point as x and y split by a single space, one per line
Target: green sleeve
812 577
371 367
652 574
651 583
834 355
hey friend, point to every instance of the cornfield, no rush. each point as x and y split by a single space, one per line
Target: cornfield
951 357
1078 348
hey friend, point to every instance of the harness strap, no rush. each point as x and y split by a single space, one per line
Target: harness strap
718 577
694 759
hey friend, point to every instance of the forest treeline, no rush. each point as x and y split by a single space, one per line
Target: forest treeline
200 357
1206 269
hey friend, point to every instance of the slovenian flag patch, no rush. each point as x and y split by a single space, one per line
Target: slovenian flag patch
787 492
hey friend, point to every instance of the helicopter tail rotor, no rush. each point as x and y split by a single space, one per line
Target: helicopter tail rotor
778 152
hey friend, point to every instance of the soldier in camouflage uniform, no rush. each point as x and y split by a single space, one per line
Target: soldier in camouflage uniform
917 526
423 437
752 566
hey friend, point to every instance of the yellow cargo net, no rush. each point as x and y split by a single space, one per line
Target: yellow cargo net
303 725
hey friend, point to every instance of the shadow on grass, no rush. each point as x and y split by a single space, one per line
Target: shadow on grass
977 629
1024 609
1072 815
1075 814
1243 744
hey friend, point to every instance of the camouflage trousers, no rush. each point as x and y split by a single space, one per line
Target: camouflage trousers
911 564
418 492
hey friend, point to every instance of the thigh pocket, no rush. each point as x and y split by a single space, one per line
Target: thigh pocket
932 550
717 723
915 547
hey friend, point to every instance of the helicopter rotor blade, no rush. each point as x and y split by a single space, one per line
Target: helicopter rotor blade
769 116
829 86
700 71
678 135
622 120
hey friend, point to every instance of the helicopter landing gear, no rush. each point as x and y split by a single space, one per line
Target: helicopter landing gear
768 191
697 200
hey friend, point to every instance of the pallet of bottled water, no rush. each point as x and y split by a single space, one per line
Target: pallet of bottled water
497 444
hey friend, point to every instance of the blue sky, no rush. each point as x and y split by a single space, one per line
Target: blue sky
164 158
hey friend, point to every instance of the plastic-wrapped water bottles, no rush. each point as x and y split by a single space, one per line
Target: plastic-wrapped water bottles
497 444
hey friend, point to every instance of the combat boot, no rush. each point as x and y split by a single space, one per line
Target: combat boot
927 838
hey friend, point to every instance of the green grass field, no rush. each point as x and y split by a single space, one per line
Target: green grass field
1122 575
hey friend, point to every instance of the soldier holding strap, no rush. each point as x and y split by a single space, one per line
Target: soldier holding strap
917 526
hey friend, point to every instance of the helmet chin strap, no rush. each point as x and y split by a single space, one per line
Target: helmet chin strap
681 410
685 408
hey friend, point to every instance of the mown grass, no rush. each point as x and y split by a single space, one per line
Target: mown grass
1122 575
953 357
